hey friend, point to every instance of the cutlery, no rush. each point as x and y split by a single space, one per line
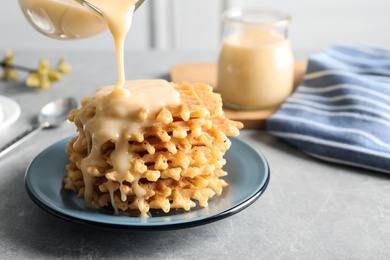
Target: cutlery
51 115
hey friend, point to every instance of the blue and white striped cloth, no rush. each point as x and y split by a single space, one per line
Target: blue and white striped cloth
341 111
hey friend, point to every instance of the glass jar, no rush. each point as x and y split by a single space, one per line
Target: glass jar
256 64
63 19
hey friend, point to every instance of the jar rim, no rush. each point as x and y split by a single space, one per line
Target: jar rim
271 17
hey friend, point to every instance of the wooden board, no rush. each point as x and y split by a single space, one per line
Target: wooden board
207 73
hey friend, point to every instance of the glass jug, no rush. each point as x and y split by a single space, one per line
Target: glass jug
63 19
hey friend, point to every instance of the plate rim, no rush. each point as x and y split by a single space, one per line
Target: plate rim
152 226
9 105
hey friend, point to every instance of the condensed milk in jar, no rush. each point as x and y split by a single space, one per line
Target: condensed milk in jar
256 64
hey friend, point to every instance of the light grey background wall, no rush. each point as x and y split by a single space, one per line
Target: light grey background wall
195 24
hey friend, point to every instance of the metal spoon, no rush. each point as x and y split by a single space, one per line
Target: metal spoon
137 5
51 115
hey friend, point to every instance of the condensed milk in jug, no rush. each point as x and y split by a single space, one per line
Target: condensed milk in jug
256 64
63 19
71 19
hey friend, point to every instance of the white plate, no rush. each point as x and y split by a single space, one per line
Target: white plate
10 111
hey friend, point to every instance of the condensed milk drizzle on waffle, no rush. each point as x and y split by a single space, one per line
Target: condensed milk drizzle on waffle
141 156
118 111
117 118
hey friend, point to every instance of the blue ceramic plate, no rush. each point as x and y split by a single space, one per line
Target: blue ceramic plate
248 177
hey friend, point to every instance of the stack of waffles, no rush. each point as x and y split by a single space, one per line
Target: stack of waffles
176 163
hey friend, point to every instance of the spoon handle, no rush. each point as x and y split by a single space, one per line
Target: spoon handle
20 139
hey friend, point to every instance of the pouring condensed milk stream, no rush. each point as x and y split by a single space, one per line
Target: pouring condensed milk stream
115 103
118 16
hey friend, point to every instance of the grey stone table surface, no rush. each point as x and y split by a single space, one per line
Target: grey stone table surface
310 210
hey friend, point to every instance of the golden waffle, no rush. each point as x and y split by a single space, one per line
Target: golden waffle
160 194
176 162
